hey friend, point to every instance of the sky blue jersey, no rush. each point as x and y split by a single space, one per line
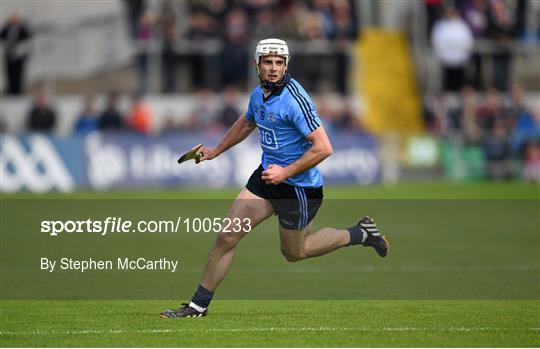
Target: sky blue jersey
284 119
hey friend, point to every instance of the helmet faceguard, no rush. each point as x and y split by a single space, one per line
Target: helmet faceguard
268 47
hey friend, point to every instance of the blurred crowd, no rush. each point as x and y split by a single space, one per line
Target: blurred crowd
458 29
479 106
42 116
206 114
504 126
213 38
211 42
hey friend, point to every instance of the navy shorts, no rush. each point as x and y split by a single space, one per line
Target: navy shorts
294 206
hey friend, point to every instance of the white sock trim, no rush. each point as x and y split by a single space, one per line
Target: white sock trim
196 307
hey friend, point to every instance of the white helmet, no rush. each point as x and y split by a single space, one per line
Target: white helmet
272 46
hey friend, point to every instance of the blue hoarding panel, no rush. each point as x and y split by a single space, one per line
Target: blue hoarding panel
130 160
41 163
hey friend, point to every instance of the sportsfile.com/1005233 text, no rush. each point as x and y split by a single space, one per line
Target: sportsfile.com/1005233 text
121 225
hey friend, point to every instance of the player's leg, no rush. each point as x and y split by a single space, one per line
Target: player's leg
295 227
246 206
297 242
297 245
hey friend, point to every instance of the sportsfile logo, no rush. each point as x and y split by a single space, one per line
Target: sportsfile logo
122 225
34 165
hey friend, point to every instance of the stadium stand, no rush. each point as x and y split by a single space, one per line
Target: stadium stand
189 61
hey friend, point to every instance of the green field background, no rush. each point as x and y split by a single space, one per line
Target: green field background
440 249
463 270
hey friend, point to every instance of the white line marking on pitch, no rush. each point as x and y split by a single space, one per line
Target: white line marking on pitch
377 269
360 269
268 329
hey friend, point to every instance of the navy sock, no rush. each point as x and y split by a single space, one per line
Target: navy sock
356 235
202 297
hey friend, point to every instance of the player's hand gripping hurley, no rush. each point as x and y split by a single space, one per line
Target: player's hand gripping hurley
198 153
194 154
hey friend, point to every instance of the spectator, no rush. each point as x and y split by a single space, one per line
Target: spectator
15 35
491 111
323 8
312 27
88 119
217 10
502 30
526 127
134 9
454 114
527 130
475 14
200 29
327 114
434 115
308 69
140 116
144 36
453 42
517 104
201 26
265 24
462 114
234 63
531 168
256 6
434 12
345 22
291 16
229 111
469 102
111 119
42 116
344 33
168 54
497 151
170 126
345 118
203 112
535 30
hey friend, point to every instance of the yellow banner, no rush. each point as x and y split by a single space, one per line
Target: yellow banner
385 77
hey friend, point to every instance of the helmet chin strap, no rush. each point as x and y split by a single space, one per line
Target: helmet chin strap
272 86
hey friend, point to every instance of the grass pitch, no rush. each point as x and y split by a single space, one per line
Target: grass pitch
464 270
274 324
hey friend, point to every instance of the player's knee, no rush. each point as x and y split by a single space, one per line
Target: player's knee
227 240
293 256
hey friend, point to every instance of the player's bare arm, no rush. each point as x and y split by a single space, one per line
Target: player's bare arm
236 134
321 148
